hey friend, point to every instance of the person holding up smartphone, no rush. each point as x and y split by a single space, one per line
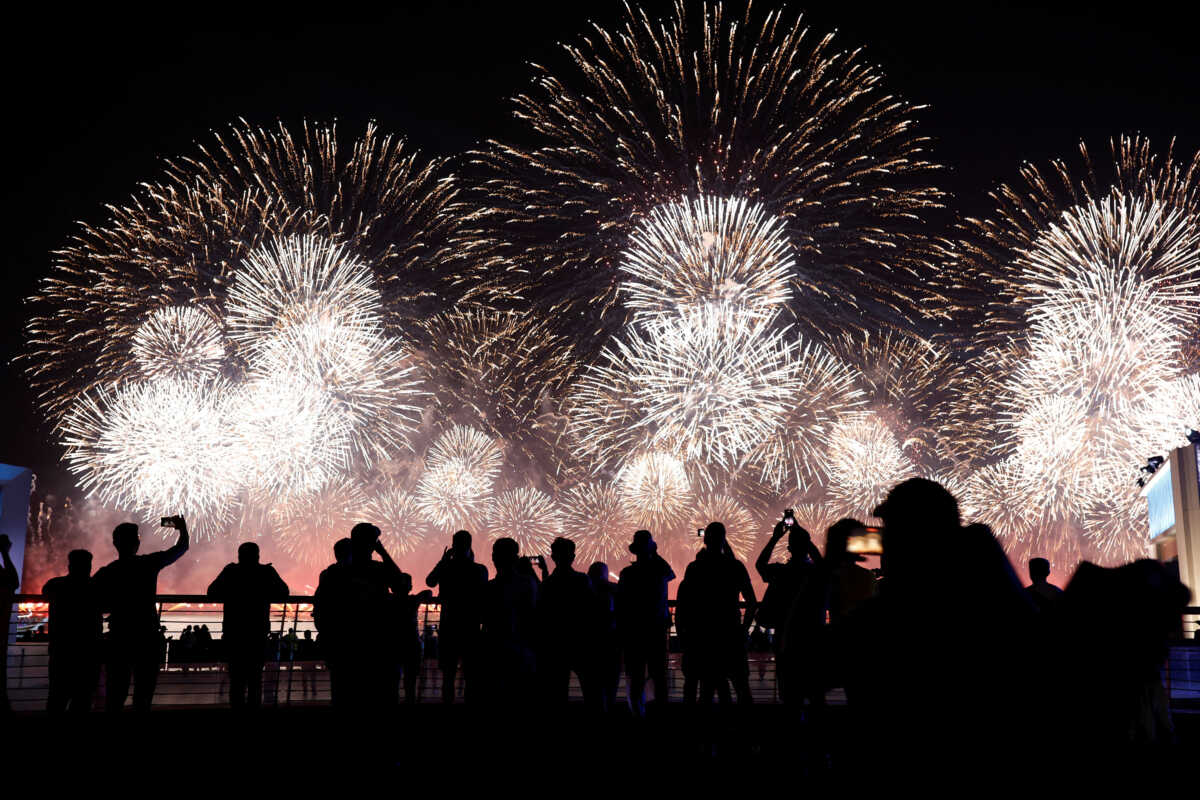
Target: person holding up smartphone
126 589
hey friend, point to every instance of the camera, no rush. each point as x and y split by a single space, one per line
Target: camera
789 518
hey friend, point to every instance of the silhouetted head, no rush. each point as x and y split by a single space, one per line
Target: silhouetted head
126 539
363 537
562 552
598 573
404 583
248 553
837 539
505 552
714 537
1039 569
343 551
460 543
919 520
79 563
798 541
643 543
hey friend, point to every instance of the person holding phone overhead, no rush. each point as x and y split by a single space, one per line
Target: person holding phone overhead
126 589
793 587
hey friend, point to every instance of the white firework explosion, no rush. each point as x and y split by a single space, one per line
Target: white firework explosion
656 488
404 529
158 448
527 515
310 525
865 462
596 517
741 529
707 251
461 467
181 342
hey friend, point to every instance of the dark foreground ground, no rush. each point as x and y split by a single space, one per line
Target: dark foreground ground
458 749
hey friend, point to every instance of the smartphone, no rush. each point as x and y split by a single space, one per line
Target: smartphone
167 522
789 517
867 543
700 532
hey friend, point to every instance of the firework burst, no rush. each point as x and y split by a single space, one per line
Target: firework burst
157 449
303 307
1093 290
596 517
741 529
754 107
527 515
865 461
461 467
403 527
309 526
180 342
182 239
708 250
656 488
708 384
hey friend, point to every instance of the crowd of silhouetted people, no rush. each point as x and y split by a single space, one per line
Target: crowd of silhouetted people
942 634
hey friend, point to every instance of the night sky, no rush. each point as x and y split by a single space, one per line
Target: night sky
93 103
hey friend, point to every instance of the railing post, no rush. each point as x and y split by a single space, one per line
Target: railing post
291 649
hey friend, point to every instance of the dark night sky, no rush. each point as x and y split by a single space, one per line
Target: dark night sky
94 102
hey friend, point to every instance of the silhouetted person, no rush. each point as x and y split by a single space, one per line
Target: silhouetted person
75 630
361 598
605 660
461 584
1115 633
9 581
1045 595
247 589
509 626
940 658
127 588
644 619
715 630
565 608
330 616
793 603
408 635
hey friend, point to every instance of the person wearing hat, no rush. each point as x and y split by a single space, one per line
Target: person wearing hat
643 620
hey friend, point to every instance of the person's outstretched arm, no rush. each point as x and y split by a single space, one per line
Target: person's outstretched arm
175 551
435 574
764 558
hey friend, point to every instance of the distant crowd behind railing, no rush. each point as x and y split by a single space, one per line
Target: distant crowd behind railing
195 671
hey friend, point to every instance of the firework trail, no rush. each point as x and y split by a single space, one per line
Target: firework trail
596 517
505 373
752 107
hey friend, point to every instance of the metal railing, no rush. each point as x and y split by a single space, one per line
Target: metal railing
194 673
